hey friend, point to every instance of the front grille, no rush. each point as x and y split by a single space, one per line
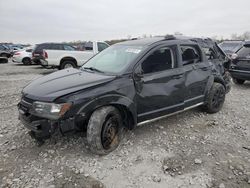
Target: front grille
28 100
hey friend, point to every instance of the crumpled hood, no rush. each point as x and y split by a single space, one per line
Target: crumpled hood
52 86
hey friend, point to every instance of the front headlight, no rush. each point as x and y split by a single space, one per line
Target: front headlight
51 110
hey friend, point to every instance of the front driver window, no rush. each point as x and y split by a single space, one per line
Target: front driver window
160 60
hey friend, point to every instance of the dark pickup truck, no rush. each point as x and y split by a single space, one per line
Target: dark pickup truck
127 84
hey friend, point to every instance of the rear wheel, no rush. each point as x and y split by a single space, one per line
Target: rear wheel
215 98
26 61
67 64
238 81
104 130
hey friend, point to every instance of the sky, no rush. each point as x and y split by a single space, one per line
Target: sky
35 21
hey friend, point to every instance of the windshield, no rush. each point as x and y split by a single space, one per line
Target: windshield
114 59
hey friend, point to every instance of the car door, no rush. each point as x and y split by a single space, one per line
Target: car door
197 71
159 84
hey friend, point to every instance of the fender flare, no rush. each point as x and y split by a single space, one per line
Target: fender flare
212 80
111 99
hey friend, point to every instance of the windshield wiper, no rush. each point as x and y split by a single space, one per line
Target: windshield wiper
93 69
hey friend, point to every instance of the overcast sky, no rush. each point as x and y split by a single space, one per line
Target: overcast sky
34 21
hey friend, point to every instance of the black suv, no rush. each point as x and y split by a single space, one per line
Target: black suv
240 67
37 53
127 84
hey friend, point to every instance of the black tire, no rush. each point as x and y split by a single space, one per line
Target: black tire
238 81
215 98
26 61
104 130
67 64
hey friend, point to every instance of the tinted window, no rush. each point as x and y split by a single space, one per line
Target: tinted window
159 60
244 51
190 55
41 47
1 47
55 47
68 47
88 46
28 50
101 46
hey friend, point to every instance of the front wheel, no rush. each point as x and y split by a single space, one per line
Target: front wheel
215 98
238 81
104 130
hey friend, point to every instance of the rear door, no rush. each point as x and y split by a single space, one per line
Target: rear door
197 71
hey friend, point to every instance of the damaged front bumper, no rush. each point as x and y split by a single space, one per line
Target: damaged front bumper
42 128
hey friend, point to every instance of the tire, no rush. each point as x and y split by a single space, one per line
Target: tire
215 98
238 81
26 61
104 130
67 64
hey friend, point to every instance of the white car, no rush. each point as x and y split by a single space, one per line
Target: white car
67 56
23 56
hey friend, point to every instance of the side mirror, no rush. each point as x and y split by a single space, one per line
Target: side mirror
138 73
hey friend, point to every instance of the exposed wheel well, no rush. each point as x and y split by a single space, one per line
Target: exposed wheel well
216 80
68 59
127 116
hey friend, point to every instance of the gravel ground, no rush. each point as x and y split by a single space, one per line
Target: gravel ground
191 149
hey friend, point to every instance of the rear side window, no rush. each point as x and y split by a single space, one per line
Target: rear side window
56 47
190 54
244 51
101 46
41 47
68 47
160 60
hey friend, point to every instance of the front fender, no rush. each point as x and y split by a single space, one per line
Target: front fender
110 99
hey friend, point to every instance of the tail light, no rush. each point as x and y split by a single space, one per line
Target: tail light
17 53
45 54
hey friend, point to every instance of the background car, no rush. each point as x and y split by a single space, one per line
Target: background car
23 56
240 67
66 56
37 53
5 51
